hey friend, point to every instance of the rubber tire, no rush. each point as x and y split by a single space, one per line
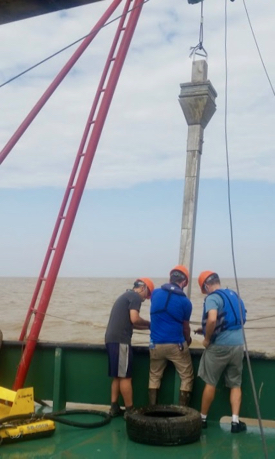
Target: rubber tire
181 427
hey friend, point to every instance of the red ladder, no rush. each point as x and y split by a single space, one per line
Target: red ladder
76 184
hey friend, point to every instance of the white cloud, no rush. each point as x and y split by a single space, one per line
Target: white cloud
144 138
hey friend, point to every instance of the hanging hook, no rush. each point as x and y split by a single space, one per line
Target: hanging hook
199 50
195 51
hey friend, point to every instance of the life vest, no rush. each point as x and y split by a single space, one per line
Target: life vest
172 289
229 317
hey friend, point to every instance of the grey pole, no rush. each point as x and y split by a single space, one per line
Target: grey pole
197 100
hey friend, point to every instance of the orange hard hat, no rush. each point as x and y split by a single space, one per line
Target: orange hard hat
149 284
182 269
203 277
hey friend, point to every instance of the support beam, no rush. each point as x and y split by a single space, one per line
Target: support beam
197 100
88 145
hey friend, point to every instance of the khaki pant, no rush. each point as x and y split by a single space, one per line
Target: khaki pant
159 357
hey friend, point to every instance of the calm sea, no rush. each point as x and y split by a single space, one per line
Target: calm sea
80 307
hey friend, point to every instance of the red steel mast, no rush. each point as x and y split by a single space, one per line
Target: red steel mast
81 168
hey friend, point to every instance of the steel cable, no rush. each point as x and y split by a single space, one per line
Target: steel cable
232 240
69 46
257 46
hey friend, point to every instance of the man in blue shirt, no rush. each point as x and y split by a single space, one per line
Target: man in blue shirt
222 321
170 334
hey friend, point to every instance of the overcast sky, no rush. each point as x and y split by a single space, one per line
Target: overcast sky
129 219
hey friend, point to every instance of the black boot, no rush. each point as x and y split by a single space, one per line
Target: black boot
153 396
185 398
115 410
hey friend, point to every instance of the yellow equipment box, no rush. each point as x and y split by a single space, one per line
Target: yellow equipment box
18 420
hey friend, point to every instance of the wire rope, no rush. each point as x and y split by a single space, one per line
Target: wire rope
232 238
257 46
199 50
70 45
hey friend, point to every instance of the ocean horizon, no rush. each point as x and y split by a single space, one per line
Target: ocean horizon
79 309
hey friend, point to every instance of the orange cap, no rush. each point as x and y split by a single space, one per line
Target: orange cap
202 278
149 284
181 269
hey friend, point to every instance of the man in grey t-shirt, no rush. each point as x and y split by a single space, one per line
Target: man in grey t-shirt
123 319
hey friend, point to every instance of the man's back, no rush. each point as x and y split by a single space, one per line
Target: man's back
120 328
169 309
216 300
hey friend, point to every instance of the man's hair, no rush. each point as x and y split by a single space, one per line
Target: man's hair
138 283
177 277
213 279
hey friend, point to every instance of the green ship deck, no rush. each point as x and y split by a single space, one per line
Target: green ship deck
111 441
76 374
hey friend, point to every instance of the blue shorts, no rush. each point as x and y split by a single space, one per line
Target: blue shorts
120 358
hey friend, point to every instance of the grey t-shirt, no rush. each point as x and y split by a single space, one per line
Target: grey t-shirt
120 327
